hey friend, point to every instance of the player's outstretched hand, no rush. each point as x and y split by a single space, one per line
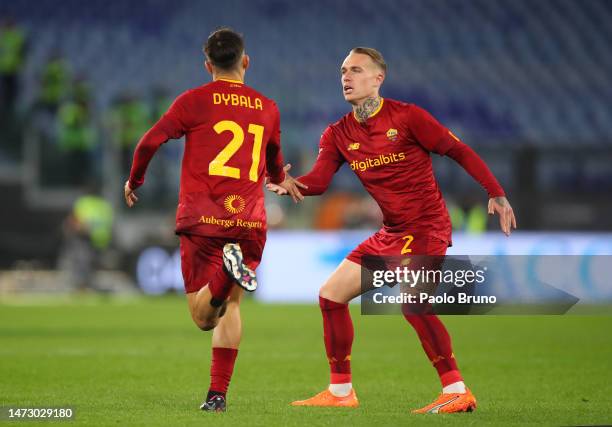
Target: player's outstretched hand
501 206
290 186
130 196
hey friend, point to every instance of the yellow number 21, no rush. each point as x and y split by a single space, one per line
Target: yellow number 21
218 167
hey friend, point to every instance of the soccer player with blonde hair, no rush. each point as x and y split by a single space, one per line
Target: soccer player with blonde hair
387 143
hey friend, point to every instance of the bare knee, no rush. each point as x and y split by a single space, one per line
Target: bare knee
331 293
205 324
344 284
326 292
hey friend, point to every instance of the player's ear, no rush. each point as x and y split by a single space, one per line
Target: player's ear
208 67
245 61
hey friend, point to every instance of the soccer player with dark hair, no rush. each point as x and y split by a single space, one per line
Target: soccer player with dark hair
232 139
387 143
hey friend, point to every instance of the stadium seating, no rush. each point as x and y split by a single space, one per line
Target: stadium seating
494 69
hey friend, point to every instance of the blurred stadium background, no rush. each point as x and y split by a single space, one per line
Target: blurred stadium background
527 84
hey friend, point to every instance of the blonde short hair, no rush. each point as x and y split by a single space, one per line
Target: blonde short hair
375 55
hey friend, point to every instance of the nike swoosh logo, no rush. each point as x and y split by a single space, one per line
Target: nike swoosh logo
436 408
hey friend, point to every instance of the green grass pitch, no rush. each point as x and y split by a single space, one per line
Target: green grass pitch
141 362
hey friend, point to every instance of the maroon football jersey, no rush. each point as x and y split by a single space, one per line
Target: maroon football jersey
232 137
390 154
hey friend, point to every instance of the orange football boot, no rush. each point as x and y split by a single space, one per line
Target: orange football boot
450 402
325 398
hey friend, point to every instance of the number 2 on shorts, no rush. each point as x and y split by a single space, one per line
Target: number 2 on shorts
406 249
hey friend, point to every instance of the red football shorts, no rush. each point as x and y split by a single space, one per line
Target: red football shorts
386 244
202 257
386 251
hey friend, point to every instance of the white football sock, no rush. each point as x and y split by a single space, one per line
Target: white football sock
340 390
458 387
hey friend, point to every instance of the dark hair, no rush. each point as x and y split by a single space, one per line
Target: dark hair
375 55
224 48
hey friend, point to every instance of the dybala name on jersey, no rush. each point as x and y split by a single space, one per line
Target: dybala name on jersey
235 100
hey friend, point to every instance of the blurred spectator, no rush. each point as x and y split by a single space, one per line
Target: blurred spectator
472 218
87 233
54 84
81 90
129 120
161 102
76 137
476 219
12 59
456 213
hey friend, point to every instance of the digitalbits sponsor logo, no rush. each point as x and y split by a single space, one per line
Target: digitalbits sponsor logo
234 204
374 162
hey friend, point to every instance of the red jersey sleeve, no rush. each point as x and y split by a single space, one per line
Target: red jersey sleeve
274 156
177 119
428 132
173 124
146 148
438 139
476 167
327 164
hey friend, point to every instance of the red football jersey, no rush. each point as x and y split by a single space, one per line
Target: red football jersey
232 137
390 154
